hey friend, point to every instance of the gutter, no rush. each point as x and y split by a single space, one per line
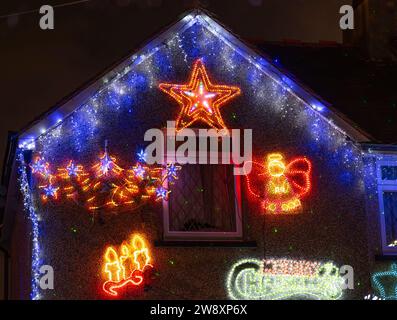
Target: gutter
379 148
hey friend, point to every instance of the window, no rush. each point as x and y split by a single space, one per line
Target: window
388 174
205 202
387 189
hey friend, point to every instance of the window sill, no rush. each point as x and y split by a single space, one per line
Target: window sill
205 244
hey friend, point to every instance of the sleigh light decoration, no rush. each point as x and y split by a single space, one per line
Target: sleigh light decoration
129 266
280 186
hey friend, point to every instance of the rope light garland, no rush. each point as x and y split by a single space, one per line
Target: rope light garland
106 184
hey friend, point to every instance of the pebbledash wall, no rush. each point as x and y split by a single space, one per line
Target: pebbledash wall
338 223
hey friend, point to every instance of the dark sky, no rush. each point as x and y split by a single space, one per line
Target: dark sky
38 67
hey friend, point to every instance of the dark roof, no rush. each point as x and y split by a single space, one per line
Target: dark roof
363 90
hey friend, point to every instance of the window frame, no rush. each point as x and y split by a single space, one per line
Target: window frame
204 236
385 186
237 235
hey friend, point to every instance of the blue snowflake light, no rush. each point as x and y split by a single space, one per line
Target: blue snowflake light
142 156
50 191
172 172
72 169
40 166
162 193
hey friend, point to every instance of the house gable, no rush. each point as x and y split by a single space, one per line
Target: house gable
289 123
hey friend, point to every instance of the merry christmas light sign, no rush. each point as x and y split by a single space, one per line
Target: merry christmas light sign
283 279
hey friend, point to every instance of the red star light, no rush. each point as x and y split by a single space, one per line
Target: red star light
200 99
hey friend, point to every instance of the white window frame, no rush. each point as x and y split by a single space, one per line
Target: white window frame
384 186
206 236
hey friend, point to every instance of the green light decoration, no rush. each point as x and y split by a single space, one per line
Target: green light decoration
284 279
380 280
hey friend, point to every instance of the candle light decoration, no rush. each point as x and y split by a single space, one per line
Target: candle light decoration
128 266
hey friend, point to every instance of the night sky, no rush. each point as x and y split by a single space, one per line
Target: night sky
39 68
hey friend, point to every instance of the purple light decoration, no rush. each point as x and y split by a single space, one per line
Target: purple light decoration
139 171
172 172
162 193
106 164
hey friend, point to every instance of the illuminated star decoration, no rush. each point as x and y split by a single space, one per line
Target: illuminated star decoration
200 99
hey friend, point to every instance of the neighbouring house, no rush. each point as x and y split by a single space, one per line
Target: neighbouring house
320 201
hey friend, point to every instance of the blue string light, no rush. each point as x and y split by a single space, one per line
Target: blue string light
31 211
